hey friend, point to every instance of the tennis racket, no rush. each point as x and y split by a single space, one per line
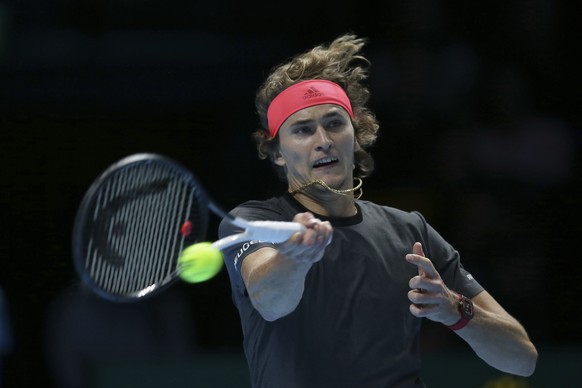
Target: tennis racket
138 216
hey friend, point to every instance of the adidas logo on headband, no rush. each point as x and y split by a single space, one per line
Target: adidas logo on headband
312 92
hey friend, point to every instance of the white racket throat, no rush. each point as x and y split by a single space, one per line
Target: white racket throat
268 231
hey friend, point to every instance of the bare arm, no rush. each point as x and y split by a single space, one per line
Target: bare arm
494 335
498 338
275 278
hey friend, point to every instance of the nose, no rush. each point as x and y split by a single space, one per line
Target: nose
322 140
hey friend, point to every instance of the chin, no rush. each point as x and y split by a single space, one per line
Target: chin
336 182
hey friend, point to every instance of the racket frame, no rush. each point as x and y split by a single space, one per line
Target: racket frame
271 231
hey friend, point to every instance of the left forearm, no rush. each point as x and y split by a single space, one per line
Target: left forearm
501 341
493 334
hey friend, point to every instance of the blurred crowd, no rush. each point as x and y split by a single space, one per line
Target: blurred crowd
478 132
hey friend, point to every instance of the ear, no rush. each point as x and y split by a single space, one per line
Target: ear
356 145
278 159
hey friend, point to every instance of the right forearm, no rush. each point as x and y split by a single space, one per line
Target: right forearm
275 283
275 277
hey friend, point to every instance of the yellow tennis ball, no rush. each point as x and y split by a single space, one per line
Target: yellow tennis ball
200 262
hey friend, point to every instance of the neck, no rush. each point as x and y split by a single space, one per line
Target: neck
328 204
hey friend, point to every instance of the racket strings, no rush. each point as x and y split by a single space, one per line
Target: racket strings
157 202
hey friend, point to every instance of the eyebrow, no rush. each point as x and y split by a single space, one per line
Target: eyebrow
332 113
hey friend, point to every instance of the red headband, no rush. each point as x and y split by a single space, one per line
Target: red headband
303 95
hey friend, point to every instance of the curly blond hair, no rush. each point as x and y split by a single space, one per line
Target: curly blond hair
339 62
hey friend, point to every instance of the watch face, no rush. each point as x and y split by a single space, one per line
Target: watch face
467 307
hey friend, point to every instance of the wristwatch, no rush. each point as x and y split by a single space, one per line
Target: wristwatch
466 309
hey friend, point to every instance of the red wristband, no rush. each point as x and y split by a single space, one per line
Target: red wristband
460 323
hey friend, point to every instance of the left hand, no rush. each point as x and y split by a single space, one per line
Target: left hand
430 297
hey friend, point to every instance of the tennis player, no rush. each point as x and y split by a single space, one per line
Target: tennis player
340 304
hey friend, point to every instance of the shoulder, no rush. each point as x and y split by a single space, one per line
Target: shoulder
269 209
391 214
272 209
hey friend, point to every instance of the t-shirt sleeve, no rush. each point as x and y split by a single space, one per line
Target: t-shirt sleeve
235 255
447 262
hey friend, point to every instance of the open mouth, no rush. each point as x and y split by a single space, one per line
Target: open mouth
324 162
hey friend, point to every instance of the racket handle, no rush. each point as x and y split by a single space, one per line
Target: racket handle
273 231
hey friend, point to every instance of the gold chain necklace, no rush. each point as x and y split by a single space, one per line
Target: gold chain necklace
341 192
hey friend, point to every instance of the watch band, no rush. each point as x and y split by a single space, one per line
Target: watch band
466 310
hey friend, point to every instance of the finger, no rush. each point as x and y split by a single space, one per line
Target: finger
308 245
323 228
416 310
423 264
326 231
309 237
414 296
424 284
423 298
417 249
314 238
307 219
422 310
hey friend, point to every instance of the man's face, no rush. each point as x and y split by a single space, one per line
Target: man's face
318 143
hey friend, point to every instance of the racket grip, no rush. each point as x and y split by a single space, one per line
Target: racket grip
273 231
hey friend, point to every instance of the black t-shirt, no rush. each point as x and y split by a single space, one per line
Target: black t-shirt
352 327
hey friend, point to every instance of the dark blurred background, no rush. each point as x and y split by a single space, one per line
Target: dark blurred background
480 131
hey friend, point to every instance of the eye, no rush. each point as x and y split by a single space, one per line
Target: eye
302 129
335 123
